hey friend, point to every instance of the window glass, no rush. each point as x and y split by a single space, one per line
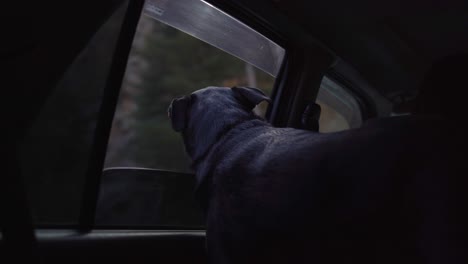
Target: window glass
55 152
339 109
203 21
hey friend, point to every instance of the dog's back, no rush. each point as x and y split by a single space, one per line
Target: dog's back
377 194
391 191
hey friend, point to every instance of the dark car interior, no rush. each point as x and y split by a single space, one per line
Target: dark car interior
381 51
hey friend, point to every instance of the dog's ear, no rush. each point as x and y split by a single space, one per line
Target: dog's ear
177 112
250 96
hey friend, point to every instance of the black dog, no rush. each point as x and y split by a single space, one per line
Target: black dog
282 195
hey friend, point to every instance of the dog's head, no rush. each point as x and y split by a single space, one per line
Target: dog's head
204 114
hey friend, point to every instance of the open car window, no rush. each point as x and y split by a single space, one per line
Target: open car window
179 47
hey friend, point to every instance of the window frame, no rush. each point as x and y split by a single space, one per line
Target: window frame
106 114
92 177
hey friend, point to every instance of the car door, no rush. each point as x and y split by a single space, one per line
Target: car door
105 177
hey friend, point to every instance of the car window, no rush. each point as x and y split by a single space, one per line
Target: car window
179 47
56 149
339 108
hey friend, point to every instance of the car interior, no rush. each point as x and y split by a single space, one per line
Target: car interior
81 183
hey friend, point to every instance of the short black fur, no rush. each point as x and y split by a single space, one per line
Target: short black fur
377 194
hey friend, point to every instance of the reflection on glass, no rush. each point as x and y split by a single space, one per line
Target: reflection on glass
211 25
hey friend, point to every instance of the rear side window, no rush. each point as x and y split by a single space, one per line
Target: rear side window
179 47
339 108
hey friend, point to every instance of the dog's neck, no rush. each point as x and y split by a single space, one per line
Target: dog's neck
202 136
206 163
